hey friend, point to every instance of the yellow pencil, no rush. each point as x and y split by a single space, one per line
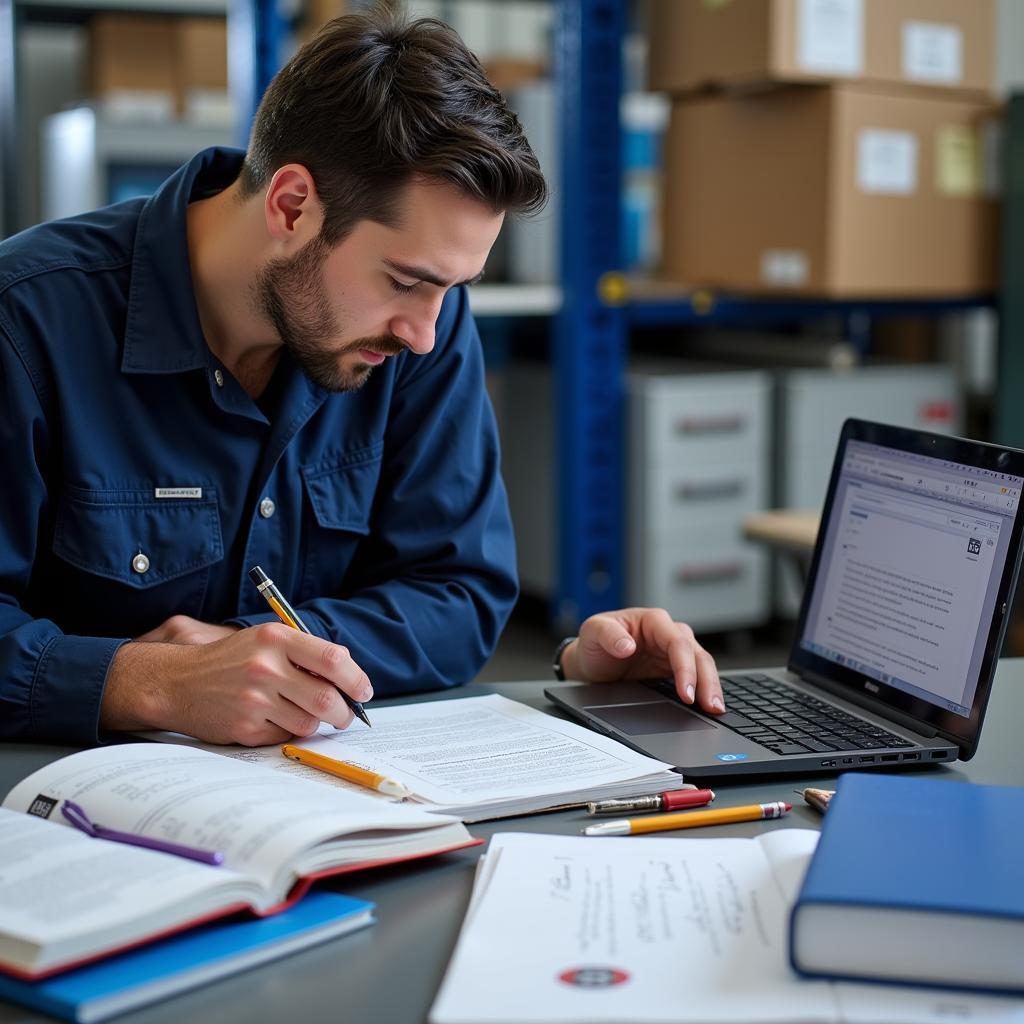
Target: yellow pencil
688 819
347 771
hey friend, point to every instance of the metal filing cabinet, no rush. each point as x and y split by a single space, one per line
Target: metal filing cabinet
812 405
699 462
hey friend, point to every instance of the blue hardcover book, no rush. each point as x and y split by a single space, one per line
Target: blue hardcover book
918 881
188 960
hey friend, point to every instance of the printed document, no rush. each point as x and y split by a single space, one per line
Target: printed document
574 930
477 757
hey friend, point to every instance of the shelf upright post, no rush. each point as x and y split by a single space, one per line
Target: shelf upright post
257 31
590 333
1009 411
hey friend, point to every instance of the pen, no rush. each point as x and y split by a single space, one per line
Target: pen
77 816
290 617
674 800
688 819
346 770
817 798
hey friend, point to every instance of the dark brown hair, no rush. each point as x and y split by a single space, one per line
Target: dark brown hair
374 100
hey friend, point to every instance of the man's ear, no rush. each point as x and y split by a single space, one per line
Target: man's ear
292 207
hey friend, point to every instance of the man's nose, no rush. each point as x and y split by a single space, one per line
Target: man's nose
415 326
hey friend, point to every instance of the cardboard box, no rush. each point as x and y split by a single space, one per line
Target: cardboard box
932 43
837 191
202 53
133 62
156 66
202 70
316 13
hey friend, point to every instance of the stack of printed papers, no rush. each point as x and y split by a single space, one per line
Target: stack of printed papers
476 758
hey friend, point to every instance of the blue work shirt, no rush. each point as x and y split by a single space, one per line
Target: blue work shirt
139 480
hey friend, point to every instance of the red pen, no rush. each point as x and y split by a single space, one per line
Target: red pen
674 800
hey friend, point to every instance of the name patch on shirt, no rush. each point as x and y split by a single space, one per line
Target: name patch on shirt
179 492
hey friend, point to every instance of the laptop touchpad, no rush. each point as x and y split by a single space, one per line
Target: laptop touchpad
649 717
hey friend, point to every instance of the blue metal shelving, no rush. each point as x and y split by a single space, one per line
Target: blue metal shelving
590 338
706 307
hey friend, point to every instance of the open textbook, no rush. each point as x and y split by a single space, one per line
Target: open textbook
476 758
66 897
574 930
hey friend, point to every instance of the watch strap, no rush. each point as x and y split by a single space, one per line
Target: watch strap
556 658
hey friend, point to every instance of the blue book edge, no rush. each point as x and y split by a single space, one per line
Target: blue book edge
903 785
189 960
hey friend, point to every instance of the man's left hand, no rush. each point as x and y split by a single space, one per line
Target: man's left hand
644 643
180 629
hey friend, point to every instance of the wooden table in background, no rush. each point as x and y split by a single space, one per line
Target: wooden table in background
790 531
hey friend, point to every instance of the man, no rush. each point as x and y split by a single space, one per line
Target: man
271 361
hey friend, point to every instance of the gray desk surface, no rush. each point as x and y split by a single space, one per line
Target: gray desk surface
389 973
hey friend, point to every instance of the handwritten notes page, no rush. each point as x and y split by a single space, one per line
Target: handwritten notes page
567 930
478 757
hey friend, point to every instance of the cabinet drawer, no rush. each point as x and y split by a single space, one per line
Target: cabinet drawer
674 498
711 580
702 422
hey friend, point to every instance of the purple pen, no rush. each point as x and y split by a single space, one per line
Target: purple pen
77 816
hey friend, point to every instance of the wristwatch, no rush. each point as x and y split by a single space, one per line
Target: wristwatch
556 659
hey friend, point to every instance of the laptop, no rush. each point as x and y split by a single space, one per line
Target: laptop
901 623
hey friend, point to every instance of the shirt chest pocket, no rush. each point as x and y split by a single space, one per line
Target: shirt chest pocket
136 559
340 496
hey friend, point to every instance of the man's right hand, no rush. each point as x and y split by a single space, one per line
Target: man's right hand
260 685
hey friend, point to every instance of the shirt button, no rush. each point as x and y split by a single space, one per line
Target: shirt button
267 508
218 376
140 563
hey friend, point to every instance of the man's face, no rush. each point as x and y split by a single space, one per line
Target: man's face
342 311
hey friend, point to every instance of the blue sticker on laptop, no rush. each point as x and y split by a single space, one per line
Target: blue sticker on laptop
731 757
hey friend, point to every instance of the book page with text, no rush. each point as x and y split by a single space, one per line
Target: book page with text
59 885
261 821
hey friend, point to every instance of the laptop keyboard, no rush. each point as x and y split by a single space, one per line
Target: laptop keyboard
789 721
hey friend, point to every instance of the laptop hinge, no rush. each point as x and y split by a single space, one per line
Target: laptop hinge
869 703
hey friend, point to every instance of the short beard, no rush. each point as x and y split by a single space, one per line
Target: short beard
291 294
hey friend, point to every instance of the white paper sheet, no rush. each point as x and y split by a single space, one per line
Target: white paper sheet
471 752
655 930
572 930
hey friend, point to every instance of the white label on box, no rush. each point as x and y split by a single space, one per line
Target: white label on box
785 268
830 36
886 162
932 53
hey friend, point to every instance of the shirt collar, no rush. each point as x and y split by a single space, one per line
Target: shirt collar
162 330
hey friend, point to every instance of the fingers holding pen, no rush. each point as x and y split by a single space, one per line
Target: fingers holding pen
324 672
307 675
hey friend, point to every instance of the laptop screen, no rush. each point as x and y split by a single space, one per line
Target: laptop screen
910 568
